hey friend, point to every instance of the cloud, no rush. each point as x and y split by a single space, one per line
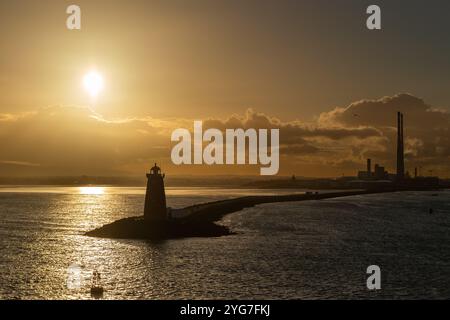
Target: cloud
293 131
8 117
62 140
20 163
74 140
381 113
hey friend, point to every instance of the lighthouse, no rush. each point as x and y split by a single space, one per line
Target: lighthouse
155 196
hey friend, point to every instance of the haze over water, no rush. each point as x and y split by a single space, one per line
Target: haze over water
311 249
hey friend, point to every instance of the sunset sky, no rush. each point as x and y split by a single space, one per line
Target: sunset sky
310 68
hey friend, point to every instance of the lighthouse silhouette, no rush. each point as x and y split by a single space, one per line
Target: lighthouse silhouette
155 197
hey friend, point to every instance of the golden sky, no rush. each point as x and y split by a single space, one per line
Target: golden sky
285 64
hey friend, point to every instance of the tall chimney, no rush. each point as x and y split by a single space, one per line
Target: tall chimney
369 168
400 148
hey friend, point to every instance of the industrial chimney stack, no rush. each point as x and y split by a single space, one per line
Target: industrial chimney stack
400 148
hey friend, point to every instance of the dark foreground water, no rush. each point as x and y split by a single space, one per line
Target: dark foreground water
307 250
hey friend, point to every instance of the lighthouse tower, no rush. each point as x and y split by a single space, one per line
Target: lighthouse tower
155 197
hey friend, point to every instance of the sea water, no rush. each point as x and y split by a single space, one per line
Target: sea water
297 250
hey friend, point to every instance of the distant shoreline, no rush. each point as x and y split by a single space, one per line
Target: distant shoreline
236 182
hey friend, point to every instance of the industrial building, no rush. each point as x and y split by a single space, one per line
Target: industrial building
380 176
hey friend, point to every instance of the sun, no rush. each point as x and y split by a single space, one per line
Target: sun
93 83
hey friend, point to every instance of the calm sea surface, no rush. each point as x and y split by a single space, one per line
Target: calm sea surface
307 250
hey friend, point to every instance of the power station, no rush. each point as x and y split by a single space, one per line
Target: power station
379 176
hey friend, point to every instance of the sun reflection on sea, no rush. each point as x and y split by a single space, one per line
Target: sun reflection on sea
92 190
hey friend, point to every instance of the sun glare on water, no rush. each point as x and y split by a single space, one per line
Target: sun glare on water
92 190
93 83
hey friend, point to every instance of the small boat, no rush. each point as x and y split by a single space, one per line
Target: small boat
96 287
